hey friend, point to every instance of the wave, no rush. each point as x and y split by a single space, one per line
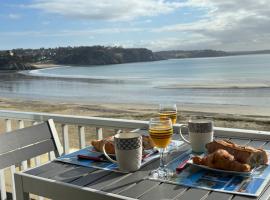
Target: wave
216 86
111 79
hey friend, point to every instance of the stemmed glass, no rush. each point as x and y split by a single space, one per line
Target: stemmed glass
168 111
160 131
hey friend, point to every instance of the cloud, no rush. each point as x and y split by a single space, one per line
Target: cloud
106 9
13 16
231 24
63 33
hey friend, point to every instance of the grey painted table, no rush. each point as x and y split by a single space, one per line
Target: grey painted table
57 180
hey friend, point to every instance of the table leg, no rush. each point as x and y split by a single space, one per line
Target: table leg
20 194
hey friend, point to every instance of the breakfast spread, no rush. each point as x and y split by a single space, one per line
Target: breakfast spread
226 155
109 146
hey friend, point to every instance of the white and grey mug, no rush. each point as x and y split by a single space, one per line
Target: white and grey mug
201 132
128 151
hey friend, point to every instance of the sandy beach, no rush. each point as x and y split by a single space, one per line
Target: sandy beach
42 66
232 116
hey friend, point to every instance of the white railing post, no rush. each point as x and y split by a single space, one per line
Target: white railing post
12 168
37 160
81 132
8 125
51 155
2 171
24 163
99 134
65 138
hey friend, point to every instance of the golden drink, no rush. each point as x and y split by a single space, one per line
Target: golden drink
168 114
161 135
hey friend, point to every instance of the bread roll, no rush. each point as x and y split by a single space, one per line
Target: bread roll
243 154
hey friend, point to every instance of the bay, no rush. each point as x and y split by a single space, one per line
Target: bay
234 80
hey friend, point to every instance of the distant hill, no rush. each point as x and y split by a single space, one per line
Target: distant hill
22 59
190 54
95 55
204 53
9 61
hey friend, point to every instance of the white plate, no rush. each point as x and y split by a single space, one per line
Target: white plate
220 170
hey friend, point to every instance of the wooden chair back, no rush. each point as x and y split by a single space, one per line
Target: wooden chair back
23 144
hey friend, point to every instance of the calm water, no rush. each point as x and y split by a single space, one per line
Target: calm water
238 80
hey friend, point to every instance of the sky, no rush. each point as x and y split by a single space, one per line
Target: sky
230 25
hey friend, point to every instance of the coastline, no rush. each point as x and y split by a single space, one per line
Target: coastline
44 66
231 116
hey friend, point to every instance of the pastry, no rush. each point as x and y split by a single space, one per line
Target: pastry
147 142
243 154
221 159
109 146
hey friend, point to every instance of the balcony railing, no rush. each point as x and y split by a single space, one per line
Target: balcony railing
82 123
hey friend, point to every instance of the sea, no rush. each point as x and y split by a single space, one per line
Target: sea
232 80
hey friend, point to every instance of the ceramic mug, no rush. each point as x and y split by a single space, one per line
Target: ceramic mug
128 151
200 133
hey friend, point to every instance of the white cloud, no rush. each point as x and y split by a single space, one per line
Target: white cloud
232 24
106 9
13 16
63 33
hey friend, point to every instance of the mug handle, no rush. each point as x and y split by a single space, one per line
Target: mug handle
106 155
181 135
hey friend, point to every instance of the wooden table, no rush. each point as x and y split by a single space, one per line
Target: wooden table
57 180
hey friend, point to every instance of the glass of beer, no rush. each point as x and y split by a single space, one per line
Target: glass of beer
168 111
160 131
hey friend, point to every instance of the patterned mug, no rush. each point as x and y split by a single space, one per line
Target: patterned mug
128 151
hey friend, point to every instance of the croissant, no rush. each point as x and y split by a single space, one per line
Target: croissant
244 154
109 146
147 142
221 159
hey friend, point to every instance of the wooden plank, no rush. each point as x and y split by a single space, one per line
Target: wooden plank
14 140
126 182
91 177
140 188
193 193
105 181
163 191
22 154
219 196
51 166
59 190
72 174
56 170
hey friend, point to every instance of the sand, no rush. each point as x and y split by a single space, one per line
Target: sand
232 116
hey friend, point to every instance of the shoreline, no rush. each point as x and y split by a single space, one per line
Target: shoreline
246 117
